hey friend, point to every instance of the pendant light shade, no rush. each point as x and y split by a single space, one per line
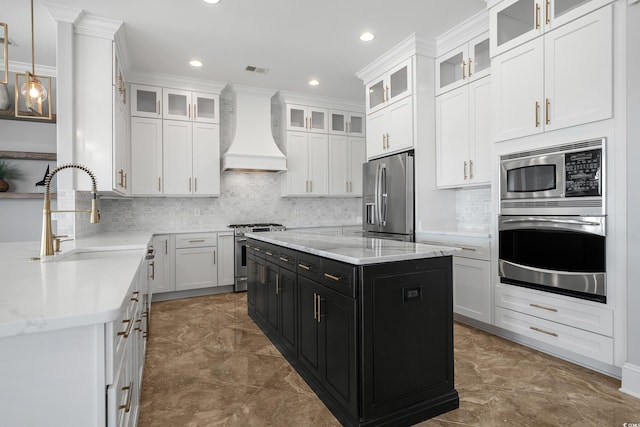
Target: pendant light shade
32 91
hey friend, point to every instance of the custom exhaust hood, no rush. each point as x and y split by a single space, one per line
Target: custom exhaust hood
253 147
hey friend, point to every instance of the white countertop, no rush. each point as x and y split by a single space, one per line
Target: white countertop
40 296
352 249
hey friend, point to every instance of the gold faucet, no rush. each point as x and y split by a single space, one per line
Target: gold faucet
46 248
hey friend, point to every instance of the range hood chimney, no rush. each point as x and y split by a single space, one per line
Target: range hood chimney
252 147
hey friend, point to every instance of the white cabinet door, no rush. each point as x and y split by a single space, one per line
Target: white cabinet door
206 107
517 91
307 119
318 119
514 22
356 158
399 82
297 177
346 123
375 93
472 288
162 277
480 131
146 156
318 164
376 135
338 158
355 125
226 259
451 69
400 126
177 104
452 137
196 268
206 159
146 101
176 157
121 156
578 81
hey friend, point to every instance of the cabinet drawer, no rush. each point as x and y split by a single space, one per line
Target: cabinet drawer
272 253
309 266
576 340
472 247
589 317
196 240
288 259
339 276
256 248
118 333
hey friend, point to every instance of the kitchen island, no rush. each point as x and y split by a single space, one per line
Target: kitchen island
368 323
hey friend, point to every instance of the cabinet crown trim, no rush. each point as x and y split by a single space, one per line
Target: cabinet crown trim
97 26
176 82
289 97
473 27
415 44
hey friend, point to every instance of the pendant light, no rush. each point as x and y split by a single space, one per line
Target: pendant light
32 91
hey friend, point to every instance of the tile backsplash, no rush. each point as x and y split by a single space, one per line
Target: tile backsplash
473 208
246 197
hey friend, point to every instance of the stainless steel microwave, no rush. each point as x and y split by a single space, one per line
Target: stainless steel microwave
562 180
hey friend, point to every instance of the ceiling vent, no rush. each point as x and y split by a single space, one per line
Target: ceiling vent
255 69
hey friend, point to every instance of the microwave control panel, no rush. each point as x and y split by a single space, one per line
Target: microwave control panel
583 173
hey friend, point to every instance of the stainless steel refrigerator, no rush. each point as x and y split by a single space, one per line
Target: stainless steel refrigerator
388 197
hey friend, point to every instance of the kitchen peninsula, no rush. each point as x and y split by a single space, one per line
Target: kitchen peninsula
366 322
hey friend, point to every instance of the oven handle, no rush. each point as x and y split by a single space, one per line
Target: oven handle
241 239
553 221
591 225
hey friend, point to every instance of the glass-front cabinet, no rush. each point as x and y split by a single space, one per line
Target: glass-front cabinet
307 119
206 107
346 123
177 104
146 101
514 22
390 87
463 64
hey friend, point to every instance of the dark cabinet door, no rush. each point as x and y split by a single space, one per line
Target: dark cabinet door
252 279
308 326
338 347
288 294
272 279
260 300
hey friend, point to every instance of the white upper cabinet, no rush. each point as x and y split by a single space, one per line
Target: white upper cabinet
390 87
514 22
146 156
177 104
206 107
390 130
146 101
307 119
346 156
462 65
550 83
307 165
346 123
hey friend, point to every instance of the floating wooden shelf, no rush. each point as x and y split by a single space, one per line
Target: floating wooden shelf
10 115
9 195
27 155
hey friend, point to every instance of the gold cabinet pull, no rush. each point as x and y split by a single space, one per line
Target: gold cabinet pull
158 109
189 185
129 390
166 247
127 330
465 170
537 16
332 277
268 253
388 99
195 184
555 310
537 114
189 110
215 257
388 141
547 16
284 259
134 297
315 307
277 283
464 67
546 111
319 309
195 111
125 181
469 67
470 169
553 334
153 270
384 139
159 186
306 267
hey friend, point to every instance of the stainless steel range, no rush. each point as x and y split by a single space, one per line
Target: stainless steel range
240 252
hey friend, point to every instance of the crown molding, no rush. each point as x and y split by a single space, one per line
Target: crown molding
413 45
97 26
41 70
460 34
291 97
177 82
63 13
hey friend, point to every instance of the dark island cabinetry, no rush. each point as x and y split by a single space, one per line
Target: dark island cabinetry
375 341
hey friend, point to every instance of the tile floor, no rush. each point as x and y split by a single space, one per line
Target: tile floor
208 364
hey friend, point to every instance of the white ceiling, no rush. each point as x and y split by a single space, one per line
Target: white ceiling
297 40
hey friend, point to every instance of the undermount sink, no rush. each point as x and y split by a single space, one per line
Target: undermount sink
81 255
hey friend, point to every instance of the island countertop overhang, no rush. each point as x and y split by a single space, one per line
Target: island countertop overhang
353 250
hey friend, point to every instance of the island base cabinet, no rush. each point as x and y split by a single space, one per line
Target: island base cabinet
374 342
408 339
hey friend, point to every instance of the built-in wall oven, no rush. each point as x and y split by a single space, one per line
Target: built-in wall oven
552 225
240 250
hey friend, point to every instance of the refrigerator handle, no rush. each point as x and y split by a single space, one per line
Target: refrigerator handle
383 195
376 219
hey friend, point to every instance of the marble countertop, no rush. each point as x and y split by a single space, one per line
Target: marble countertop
353 249
40 296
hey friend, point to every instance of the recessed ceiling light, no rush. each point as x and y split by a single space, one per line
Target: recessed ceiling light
212 1
367 37
314 82
195 63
